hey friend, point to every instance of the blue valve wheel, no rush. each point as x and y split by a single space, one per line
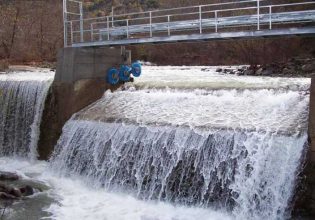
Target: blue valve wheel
136 69
124 73
112 76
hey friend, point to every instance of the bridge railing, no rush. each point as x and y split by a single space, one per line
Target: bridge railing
211 18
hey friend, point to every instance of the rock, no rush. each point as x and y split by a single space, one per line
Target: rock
6 196
205 69
240 73
267 72
8 176
259 71
8 192
230 71
27 190
309 67
16 192
4 65
287 71
219 70
249 72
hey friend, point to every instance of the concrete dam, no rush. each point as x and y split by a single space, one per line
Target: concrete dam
170 145
177 143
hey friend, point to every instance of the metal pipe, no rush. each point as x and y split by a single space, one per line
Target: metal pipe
112 16
81 22
74 1
270 17
127 28
108 28
92 32
65 23
168 26
200 19
258 14
71 29
151 24
216 21
72 13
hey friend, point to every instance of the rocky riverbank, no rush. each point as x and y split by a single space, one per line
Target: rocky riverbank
12 190
4 65
294 68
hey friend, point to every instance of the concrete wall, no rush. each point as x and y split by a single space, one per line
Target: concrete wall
304 207
87 63
310 161
80 80
312 123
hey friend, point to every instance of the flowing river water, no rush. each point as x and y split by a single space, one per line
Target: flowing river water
180 143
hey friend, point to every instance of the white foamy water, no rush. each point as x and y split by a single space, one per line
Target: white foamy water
76 200
185 77
22 100
35 75
234 109
188 135
181 143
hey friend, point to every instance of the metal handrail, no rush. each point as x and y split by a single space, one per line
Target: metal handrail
194 13
109 20
202 12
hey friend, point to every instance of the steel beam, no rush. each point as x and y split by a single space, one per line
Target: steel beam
206 37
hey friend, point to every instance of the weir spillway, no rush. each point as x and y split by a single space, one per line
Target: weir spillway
22 100
179 143
221 142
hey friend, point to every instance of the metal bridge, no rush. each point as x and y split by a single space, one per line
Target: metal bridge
221 21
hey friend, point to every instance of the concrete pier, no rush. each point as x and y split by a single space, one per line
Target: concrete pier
80 80
304 207
310 162
312 123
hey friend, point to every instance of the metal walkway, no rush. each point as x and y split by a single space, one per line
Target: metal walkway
242 19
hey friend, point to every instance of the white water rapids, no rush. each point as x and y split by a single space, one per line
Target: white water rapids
22 99
180 143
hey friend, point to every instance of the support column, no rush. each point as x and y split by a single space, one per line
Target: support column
304 206
80 80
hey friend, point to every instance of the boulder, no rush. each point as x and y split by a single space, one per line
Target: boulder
309 67
8 176
4 65
230 71
8 192
240 73
249 72
6 196
267 72
27 190
4 188
259 71
219 70
288 71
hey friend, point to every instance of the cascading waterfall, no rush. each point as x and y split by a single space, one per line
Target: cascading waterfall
236 149
22 99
